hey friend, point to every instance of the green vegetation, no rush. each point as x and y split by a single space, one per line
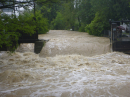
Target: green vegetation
9 34
11 27
58 22
42 24
91 16
97 25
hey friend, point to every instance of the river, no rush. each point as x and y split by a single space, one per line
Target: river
71 64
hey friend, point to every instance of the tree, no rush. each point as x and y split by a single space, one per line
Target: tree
69 15
9 34
113 9
85 14
50 10
97 26
26 22
58 23
42 24
105 10
68 12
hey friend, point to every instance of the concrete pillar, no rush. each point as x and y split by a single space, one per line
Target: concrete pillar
0 11
38 46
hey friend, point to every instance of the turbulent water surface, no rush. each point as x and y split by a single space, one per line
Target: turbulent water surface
71 64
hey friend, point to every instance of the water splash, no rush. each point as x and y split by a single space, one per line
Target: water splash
66 74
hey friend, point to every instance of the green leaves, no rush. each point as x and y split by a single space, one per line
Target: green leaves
105 10
96 26
42 25
66 16
58 23
11 27
8 31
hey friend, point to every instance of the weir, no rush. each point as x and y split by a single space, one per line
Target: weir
25 38
71 64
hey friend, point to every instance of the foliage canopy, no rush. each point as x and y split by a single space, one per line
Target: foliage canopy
82 14
12 26
91 16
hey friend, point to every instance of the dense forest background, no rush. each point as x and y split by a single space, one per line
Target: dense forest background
91 16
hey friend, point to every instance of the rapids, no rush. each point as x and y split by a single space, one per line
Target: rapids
71 64
62 42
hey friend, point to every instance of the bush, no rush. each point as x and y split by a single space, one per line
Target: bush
97 25
12 26
82 28
9 34
42 24
38 23
58 23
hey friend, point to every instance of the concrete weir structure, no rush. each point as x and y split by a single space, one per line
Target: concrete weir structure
0 11
71 64
39 45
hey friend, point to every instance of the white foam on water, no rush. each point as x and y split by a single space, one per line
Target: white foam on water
62 42
71 64
65 75
25 47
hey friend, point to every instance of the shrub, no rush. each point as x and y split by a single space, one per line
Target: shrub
12 26
9 34
58 23
97 25
42 24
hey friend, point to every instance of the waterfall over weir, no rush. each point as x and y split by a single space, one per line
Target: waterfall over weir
71 64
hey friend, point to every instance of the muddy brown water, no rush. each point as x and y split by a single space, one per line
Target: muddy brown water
71 64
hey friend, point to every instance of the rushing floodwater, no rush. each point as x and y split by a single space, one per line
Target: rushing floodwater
71 64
